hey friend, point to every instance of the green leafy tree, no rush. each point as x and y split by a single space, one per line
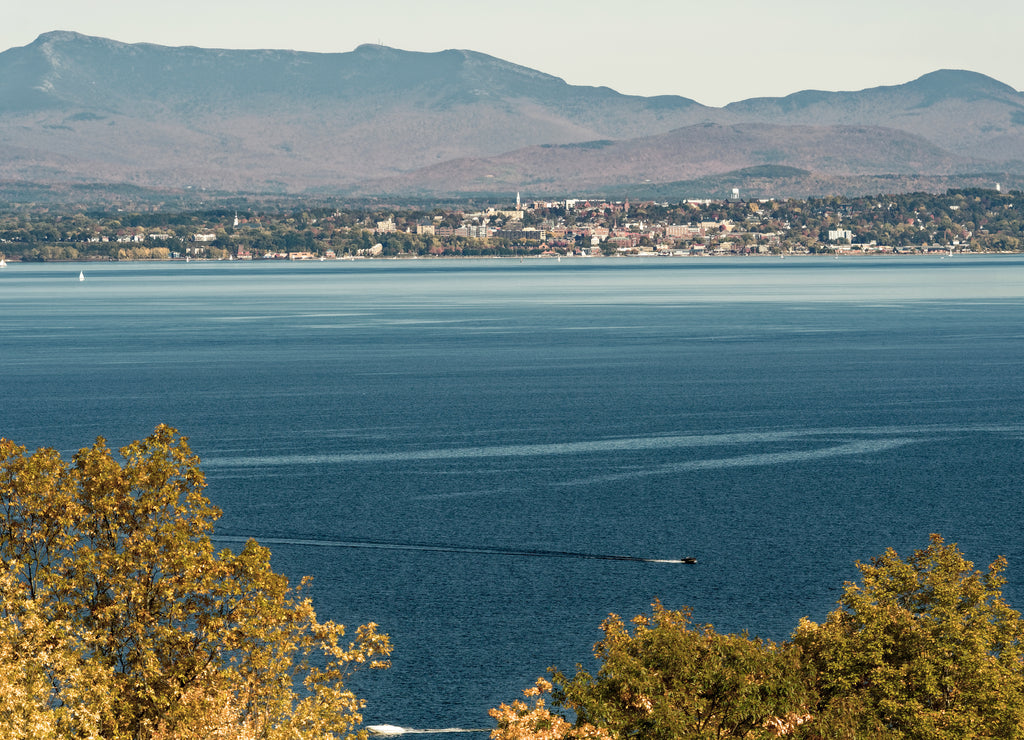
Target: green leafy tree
924 647
666 679
120 621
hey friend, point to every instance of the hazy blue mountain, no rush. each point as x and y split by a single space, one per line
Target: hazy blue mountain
966 112
79 109
67 71
93 108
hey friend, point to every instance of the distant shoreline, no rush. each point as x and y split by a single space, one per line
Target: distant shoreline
535 258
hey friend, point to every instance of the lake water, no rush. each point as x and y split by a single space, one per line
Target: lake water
467 421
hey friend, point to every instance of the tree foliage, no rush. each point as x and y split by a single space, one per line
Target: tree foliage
922 648
521 721
662 678
119 619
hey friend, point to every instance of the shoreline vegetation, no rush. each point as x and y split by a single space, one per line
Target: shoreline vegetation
510 258
962 221
120 621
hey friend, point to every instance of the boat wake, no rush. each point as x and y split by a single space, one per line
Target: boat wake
427 547
395 730
847 441
859 447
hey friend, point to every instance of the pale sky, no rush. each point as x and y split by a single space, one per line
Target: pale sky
713 52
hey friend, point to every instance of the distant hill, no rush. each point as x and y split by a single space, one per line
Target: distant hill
966 112
76 109
688 153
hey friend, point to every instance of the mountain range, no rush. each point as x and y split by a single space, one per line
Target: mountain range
80 110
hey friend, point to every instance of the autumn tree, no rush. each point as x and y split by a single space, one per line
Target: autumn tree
119 620
522 721
663 678
924 647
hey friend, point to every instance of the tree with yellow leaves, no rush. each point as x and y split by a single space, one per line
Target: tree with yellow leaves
520 721
922 647
661 678
120 621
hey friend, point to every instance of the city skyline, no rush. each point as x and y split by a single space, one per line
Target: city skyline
712 54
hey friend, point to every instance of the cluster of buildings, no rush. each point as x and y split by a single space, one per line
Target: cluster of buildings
975 220
584 227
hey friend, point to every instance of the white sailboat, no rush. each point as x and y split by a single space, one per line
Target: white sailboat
3 262
81 276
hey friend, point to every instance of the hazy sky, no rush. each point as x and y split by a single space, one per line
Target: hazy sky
714 52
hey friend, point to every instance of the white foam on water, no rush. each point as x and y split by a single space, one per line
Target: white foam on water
661 560
627 444
395 730
862 447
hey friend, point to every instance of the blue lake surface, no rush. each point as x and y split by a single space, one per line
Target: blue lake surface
466 420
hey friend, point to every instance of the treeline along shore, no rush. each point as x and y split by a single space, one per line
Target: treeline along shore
976 220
